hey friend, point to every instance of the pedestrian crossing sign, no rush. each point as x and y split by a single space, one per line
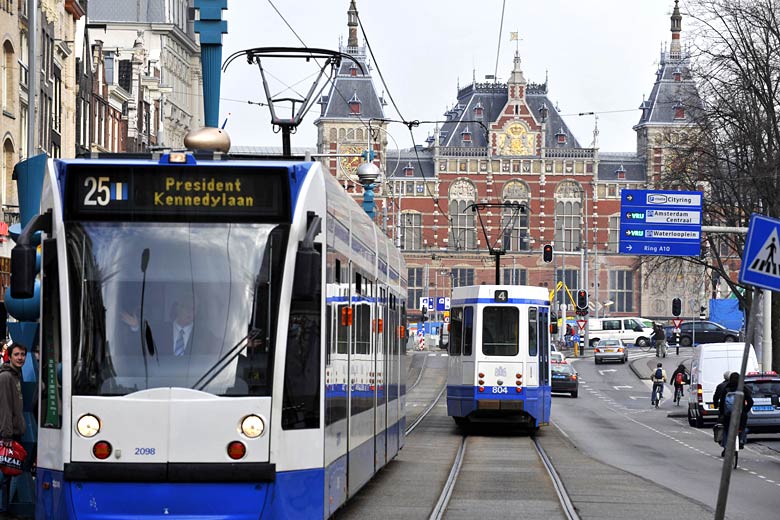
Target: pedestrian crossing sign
761 256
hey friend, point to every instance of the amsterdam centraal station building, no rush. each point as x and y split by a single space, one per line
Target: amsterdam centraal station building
504 146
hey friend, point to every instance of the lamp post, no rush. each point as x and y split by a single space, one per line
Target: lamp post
367 174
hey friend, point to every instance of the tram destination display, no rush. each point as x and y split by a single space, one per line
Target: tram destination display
192 193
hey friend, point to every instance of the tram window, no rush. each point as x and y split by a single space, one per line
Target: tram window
358 283
500 331
533 345
456 330
301 403
337 271
51 347
468 330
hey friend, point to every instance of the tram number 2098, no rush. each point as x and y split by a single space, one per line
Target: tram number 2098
144 451
500 390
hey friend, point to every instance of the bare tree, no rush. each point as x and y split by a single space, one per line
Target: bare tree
732 149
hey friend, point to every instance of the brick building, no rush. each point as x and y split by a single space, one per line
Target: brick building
505 143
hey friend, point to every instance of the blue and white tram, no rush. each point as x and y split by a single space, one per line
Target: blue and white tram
499 352
219 339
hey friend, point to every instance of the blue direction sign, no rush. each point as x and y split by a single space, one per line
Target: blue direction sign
658 222
761 256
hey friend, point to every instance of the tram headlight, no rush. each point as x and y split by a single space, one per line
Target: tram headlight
88 425
252 426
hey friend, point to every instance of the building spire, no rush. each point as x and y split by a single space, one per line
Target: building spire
352 24
674 49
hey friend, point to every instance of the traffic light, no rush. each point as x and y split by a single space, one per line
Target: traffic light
676 307
548 251
582 299
424 314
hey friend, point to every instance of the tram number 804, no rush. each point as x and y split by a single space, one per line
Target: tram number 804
500 390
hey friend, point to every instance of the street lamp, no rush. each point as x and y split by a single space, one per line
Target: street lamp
367 174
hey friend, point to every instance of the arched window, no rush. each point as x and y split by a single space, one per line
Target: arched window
9 186
568 216
7 81
463 233
411 230
333 134
359 134
514 221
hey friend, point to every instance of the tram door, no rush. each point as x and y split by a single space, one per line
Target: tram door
380 378
468 355
544 346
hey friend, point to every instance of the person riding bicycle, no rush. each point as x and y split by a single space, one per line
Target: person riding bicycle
725 406
678 379
658 377
659 337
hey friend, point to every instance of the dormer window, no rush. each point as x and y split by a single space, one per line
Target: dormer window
478 110
620 173
409 170
354 104
679 110
353 70
560 137
465 135
677 75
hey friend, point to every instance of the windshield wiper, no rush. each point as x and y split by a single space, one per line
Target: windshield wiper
225 360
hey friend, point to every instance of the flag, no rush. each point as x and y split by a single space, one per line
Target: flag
513 36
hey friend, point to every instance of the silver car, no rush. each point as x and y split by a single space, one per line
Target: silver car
610 350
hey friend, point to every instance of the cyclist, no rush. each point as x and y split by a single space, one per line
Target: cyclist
658 377
678 379
725 406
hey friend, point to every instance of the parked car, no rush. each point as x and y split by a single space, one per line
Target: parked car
695 332
764 417
630 331
710 361
564 379
610 350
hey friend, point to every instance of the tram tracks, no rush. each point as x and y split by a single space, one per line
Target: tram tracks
529 473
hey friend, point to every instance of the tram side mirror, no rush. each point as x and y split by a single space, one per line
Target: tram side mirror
308 274
23 271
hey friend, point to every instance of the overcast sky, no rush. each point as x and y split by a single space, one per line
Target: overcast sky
599 56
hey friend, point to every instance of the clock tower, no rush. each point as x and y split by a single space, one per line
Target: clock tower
351 120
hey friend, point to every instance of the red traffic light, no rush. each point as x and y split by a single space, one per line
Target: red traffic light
582 299
548 253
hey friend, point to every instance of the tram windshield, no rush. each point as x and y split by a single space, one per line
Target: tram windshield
173 305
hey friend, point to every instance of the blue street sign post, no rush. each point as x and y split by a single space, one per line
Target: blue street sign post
761 256
661 223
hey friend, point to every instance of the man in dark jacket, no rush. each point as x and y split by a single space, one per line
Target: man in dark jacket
12 425
683 379
720 388
724 411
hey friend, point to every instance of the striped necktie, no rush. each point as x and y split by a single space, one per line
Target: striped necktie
178 348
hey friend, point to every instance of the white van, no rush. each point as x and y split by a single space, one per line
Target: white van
630 331
710 361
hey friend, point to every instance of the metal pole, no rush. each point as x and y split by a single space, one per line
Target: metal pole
32 76
728 458
766 343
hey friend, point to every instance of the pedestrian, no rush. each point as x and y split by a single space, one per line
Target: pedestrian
725 406
660 340
12 424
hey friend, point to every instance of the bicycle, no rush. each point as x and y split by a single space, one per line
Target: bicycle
678 393
657 395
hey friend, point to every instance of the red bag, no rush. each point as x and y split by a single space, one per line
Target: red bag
12 457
